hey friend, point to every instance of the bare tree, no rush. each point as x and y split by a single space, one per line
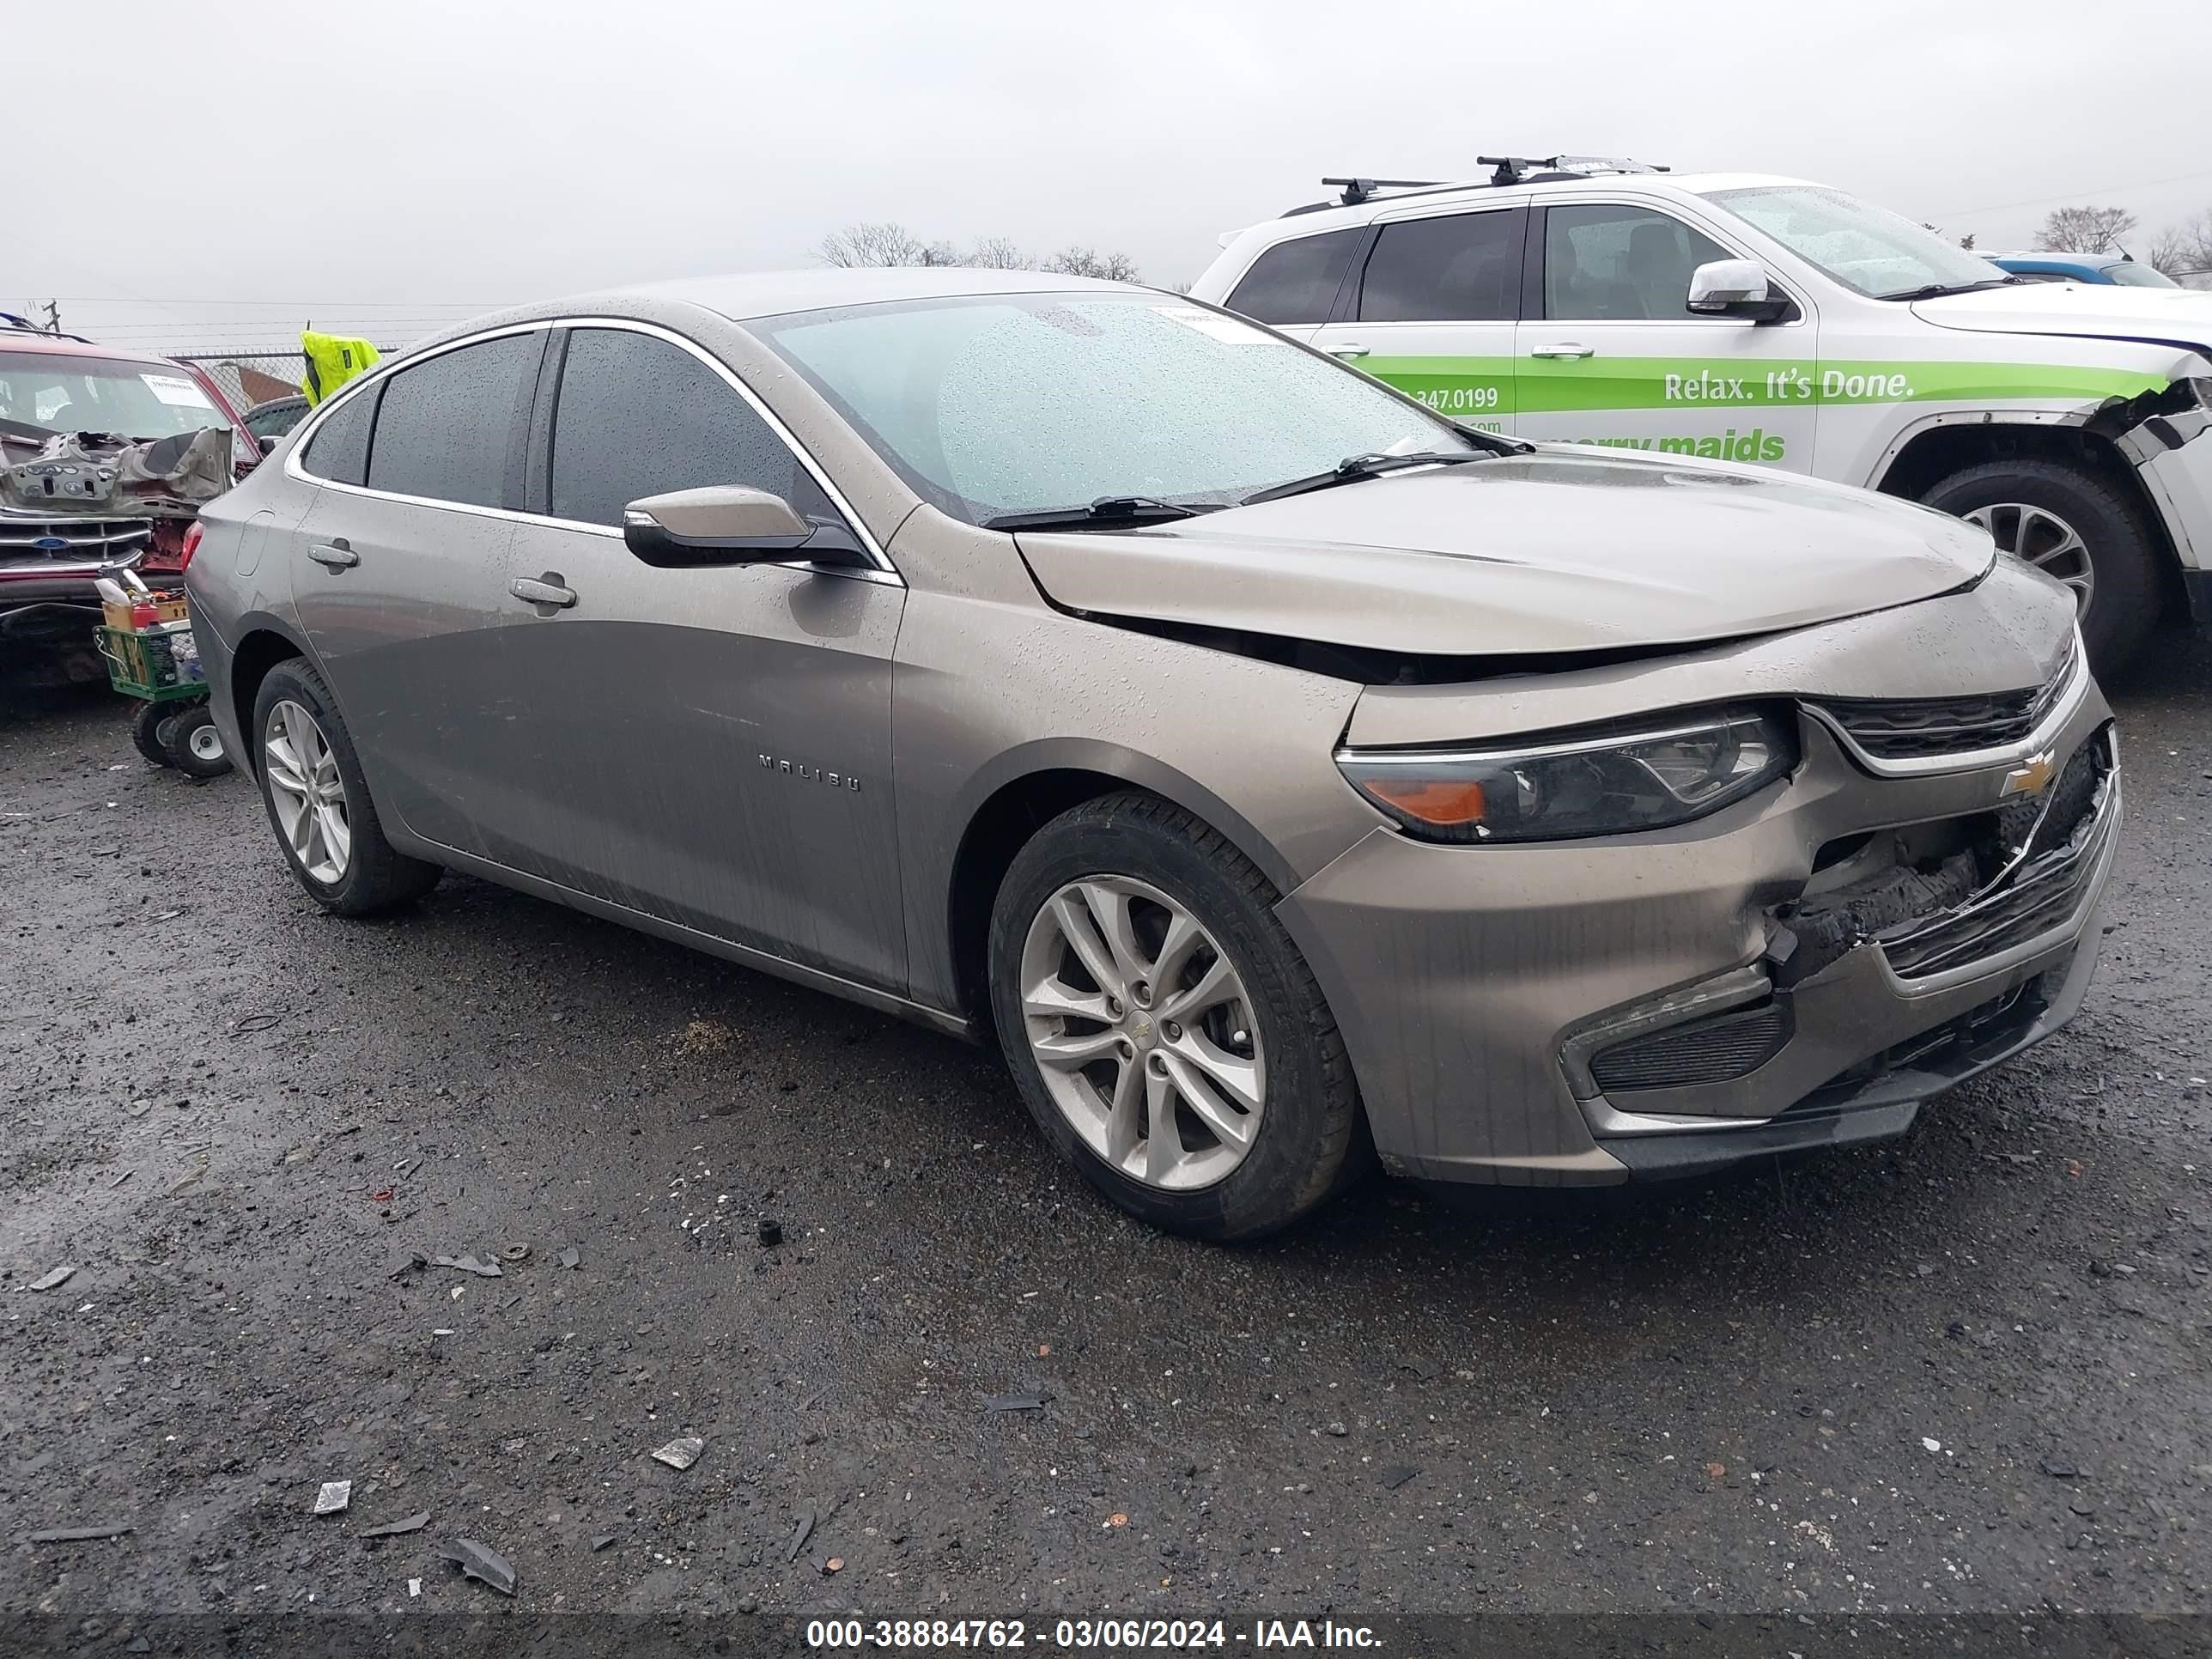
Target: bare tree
1088 261
2184 249
884 242
1967 242
2084 229
998 253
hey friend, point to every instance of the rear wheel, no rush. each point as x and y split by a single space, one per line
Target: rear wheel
1162 1027
317 800
2072 525
146 730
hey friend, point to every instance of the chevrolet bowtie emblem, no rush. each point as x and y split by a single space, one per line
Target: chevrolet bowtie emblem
2031 778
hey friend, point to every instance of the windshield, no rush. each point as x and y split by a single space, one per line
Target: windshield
1881 254
95 394
1021 403
2129 274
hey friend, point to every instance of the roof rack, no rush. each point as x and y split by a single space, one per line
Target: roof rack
1505 170
11 320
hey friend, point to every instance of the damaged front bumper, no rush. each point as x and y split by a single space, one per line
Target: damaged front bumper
1797 972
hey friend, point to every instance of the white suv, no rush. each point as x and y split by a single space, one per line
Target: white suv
1766 320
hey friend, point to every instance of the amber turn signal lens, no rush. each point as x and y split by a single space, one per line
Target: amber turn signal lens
1451 803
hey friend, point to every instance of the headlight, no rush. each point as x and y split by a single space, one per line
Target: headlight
1600 784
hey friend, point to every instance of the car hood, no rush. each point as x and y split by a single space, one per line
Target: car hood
1555 550
2096 311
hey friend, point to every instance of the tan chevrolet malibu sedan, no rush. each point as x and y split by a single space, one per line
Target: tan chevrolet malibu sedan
1281 775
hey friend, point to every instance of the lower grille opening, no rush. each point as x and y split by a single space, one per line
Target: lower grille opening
1716 1049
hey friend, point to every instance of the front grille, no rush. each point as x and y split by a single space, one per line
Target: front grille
2043 894
72 541
1921 728
1704 1051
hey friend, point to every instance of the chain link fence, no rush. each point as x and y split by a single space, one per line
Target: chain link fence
248 377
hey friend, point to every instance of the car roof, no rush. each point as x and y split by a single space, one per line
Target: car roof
30 339
769 294
1321 216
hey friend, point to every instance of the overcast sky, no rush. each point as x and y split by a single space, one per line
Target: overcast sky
411 163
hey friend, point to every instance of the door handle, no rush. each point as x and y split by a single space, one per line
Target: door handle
1566 349
1349 349
546 590
334 554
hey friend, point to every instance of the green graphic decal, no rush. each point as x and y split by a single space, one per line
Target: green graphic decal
1506 386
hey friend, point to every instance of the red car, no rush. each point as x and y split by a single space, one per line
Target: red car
56 535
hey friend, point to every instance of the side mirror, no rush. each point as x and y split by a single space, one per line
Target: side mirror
729 524
1736 287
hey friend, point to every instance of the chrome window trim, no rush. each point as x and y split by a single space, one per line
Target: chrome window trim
882 570
2047 731
1669 207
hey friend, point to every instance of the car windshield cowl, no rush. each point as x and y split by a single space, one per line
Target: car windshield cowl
1944 290
1353 469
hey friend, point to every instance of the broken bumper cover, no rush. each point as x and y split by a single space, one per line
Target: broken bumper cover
1509 1010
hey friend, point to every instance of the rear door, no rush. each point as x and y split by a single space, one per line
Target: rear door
708 746
399 572
1611 355
1431 307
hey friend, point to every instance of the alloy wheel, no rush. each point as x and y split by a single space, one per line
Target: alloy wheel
308 793
1143 1033
2046 541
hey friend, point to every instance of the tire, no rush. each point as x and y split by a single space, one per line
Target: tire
371 876
192 744
2123 603
146 730
1151 858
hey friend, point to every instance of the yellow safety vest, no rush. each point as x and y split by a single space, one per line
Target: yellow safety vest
331 362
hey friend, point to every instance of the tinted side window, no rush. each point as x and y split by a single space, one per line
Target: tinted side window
451 428
1295 282
339 449
1463 267
1615 262
638 415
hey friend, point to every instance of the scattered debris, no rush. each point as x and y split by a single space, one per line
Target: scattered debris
705 1036
118 1181
469 1264
1716 1471
1929 1443
514 1253
1117 1519
1398 1474
414 1264
2058 1468
414 1587
680 1454
1044 1350
835 1563
771 1232
798 1537
1021 1400
601 1542
483 1564
334 1496
74 1535
393 1529
254 1022
49 1281
570 1258
1335 1431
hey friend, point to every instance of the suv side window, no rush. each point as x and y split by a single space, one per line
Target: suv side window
1456 268
339 449
638 415
450 429
1295 282
1605 262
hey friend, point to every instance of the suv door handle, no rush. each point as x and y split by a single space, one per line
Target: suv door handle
334 554
1349 349
546 592
1567 349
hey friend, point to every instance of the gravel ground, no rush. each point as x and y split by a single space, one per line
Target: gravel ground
1963 1373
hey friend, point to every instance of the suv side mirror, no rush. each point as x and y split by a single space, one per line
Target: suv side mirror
730 524
1736 287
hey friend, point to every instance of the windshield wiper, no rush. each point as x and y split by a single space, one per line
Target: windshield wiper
1353 468
1107 510
1939 290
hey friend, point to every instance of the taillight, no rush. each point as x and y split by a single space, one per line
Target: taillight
193 531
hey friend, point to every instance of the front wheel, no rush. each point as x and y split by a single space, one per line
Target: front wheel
317 800
2072 525
1162 1027
192 744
